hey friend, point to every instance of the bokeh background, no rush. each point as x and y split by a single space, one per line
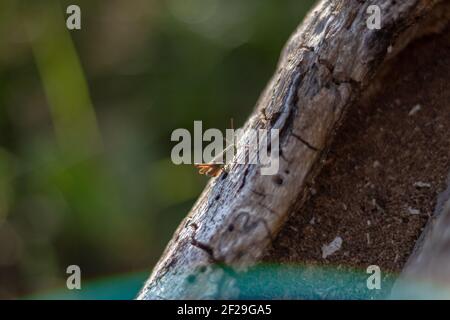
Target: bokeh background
85 124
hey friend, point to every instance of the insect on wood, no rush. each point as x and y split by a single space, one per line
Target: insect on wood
213 169
209 169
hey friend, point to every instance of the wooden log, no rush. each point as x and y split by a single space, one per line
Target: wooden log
327 63
426 275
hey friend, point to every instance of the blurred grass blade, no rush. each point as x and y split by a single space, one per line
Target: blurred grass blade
63 80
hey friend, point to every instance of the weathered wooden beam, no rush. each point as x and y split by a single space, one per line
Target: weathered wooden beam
327 63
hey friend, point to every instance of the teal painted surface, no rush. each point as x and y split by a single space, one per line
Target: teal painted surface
117 288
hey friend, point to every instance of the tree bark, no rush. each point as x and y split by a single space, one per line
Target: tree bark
325 66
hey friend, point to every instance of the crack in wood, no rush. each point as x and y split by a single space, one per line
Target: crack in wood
201 245
286 118
247 170
306 143
261 194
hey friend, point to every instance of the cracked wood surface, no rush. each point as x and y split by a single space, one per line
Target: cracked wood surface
327 63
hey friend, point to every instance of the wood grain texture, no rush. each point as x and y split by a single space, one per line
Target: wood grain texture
326 64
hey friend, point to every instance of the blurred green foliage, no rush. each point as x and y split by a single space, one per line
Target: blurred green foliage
86 118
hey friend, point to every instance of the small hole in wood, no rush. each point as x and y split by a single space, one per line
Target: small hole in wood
278 180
